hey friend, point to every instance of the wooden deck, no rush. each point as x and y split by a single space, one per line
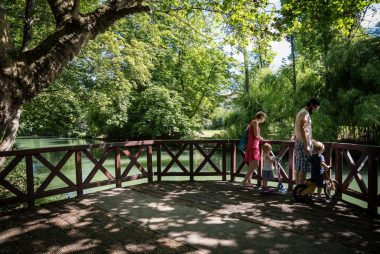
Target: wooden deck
189 217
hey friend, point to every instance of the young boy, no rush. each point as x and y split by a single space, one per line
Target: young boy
318 165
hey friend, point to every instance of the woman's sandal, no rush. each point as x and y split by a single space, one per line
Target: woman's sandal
247 187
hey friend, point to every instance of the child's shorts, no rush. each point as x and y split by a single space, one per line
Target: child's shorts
267 175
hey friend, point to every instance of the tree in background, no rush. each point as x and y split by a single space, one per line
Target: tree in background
353 75
157 112
179 48
56 113
197 66
28 66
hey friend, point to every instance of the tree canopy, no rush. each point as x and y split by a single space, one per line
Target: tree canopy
111 68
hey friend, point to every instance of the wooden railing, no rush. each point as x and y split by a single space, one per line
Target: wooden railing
174 158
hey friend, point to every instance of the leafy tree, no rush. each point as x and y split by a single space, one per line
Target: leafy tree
319 22
54 113
29 68
34 54
158 113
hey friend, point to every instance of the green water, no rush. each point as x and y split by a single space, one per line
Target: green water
41 171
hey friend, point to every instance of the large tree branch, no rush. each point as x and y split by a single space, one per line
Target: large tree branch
39 67
61 9
28 24
75 10
6 44
106 15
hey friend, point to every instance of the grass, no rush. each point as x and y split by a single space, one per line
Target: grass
208 133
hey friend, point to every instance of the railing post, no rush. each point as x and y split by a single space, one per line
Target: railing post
191 161
117 167
78 172
291 168
29 181
259 171
339 168
372 183
224 176
233 162
159 162
328 156
150 164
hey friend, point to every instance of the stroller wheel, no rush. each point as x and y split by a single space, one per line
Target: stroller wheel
297 193
332 189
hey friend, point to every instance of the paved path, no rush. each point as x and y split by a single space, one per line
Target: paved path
183 217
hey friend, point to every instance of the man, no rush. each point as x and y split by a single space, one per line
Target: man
303 138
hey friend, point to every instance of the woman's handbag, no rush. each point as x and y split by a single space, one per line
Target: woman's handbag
243 141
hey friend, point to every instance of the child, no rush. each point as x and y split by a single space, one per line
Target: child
267 165
318 165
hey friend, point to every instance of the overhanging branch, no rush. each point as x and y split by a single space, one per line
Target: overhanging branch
28 24
45 63
106 15
61 8
6 44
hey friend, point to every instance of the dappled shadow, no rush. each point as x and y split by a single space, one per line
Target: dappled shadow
219 216
183 217
69 227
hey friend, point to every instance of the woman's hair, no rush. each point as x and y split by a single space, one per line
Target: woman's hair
267 147
314 102
260 115
318 147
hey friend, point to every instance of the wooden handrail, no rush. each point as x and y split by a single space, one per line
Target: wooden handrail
337 154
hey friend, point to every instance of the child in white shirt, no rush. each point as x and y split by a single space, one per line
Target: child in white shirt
268 162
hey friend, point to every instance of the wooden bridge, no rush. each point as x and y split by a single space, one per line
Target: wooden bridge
192 216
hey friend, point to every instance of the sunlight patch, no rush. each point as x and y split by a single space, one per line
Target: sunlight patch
139 248
80 246
217 220
9 234
200 239
160 206
301 222
252 233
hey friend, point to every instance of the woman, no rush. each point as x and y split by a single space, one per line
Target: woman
252 152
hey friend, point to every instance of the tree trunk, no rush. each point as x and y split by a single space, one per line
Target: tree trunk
246 68
25 73
294 63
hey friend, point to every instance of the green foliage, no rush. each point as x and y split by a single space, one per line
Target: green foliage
270 93
16 177
325 124
354 65
43 21
139 52
354 82
164 75
367 110
319 22
54 113
158 113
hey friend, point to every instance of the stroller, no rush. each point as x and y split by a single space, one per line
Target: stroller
280 186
